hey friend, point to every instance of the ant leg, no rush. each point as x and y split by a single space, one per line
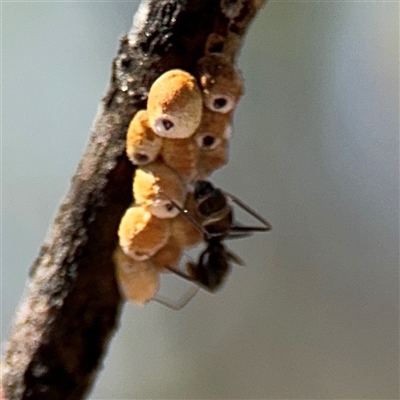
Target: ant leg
237 235
235 258
240 203
186 297
181 302
181 274
248 229
186 214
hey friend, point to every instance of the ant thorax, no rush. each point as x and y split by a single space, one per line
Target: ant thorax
218 224
213 209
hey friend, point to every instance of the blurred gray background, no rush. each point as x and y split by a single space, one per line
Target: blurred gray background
315 150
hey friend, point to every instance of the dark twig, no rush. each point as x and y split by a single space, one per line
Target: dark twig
62 328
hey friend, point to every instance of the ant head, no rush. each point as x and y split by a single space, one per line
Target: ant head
203 189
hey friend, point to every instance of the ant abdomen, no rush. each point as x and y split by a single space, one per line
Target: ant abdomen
212 267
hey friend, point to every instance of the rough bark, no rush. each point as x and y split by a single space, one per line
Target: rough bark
63 327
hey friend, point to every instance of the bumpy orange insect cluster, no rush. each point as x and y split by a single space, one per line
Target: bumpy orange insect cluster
181 137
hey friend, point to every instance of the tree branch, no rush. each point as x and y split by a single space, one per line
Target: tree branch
62 329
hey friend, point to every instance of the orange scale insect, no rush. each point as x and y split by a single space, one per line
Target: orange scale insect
141 234
212 139
220 81
138 281
157 186
182 156
174 105
142 144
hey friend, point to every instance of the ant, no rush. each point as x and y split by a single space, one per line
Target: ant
217 224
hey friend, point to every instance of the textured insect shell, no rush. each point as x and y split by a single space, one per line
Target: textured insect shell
185 233
213 159
182 156
155 185
138 281
168 255
142 144
212 139
225 46
141 234
220 82
215 44
174 104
